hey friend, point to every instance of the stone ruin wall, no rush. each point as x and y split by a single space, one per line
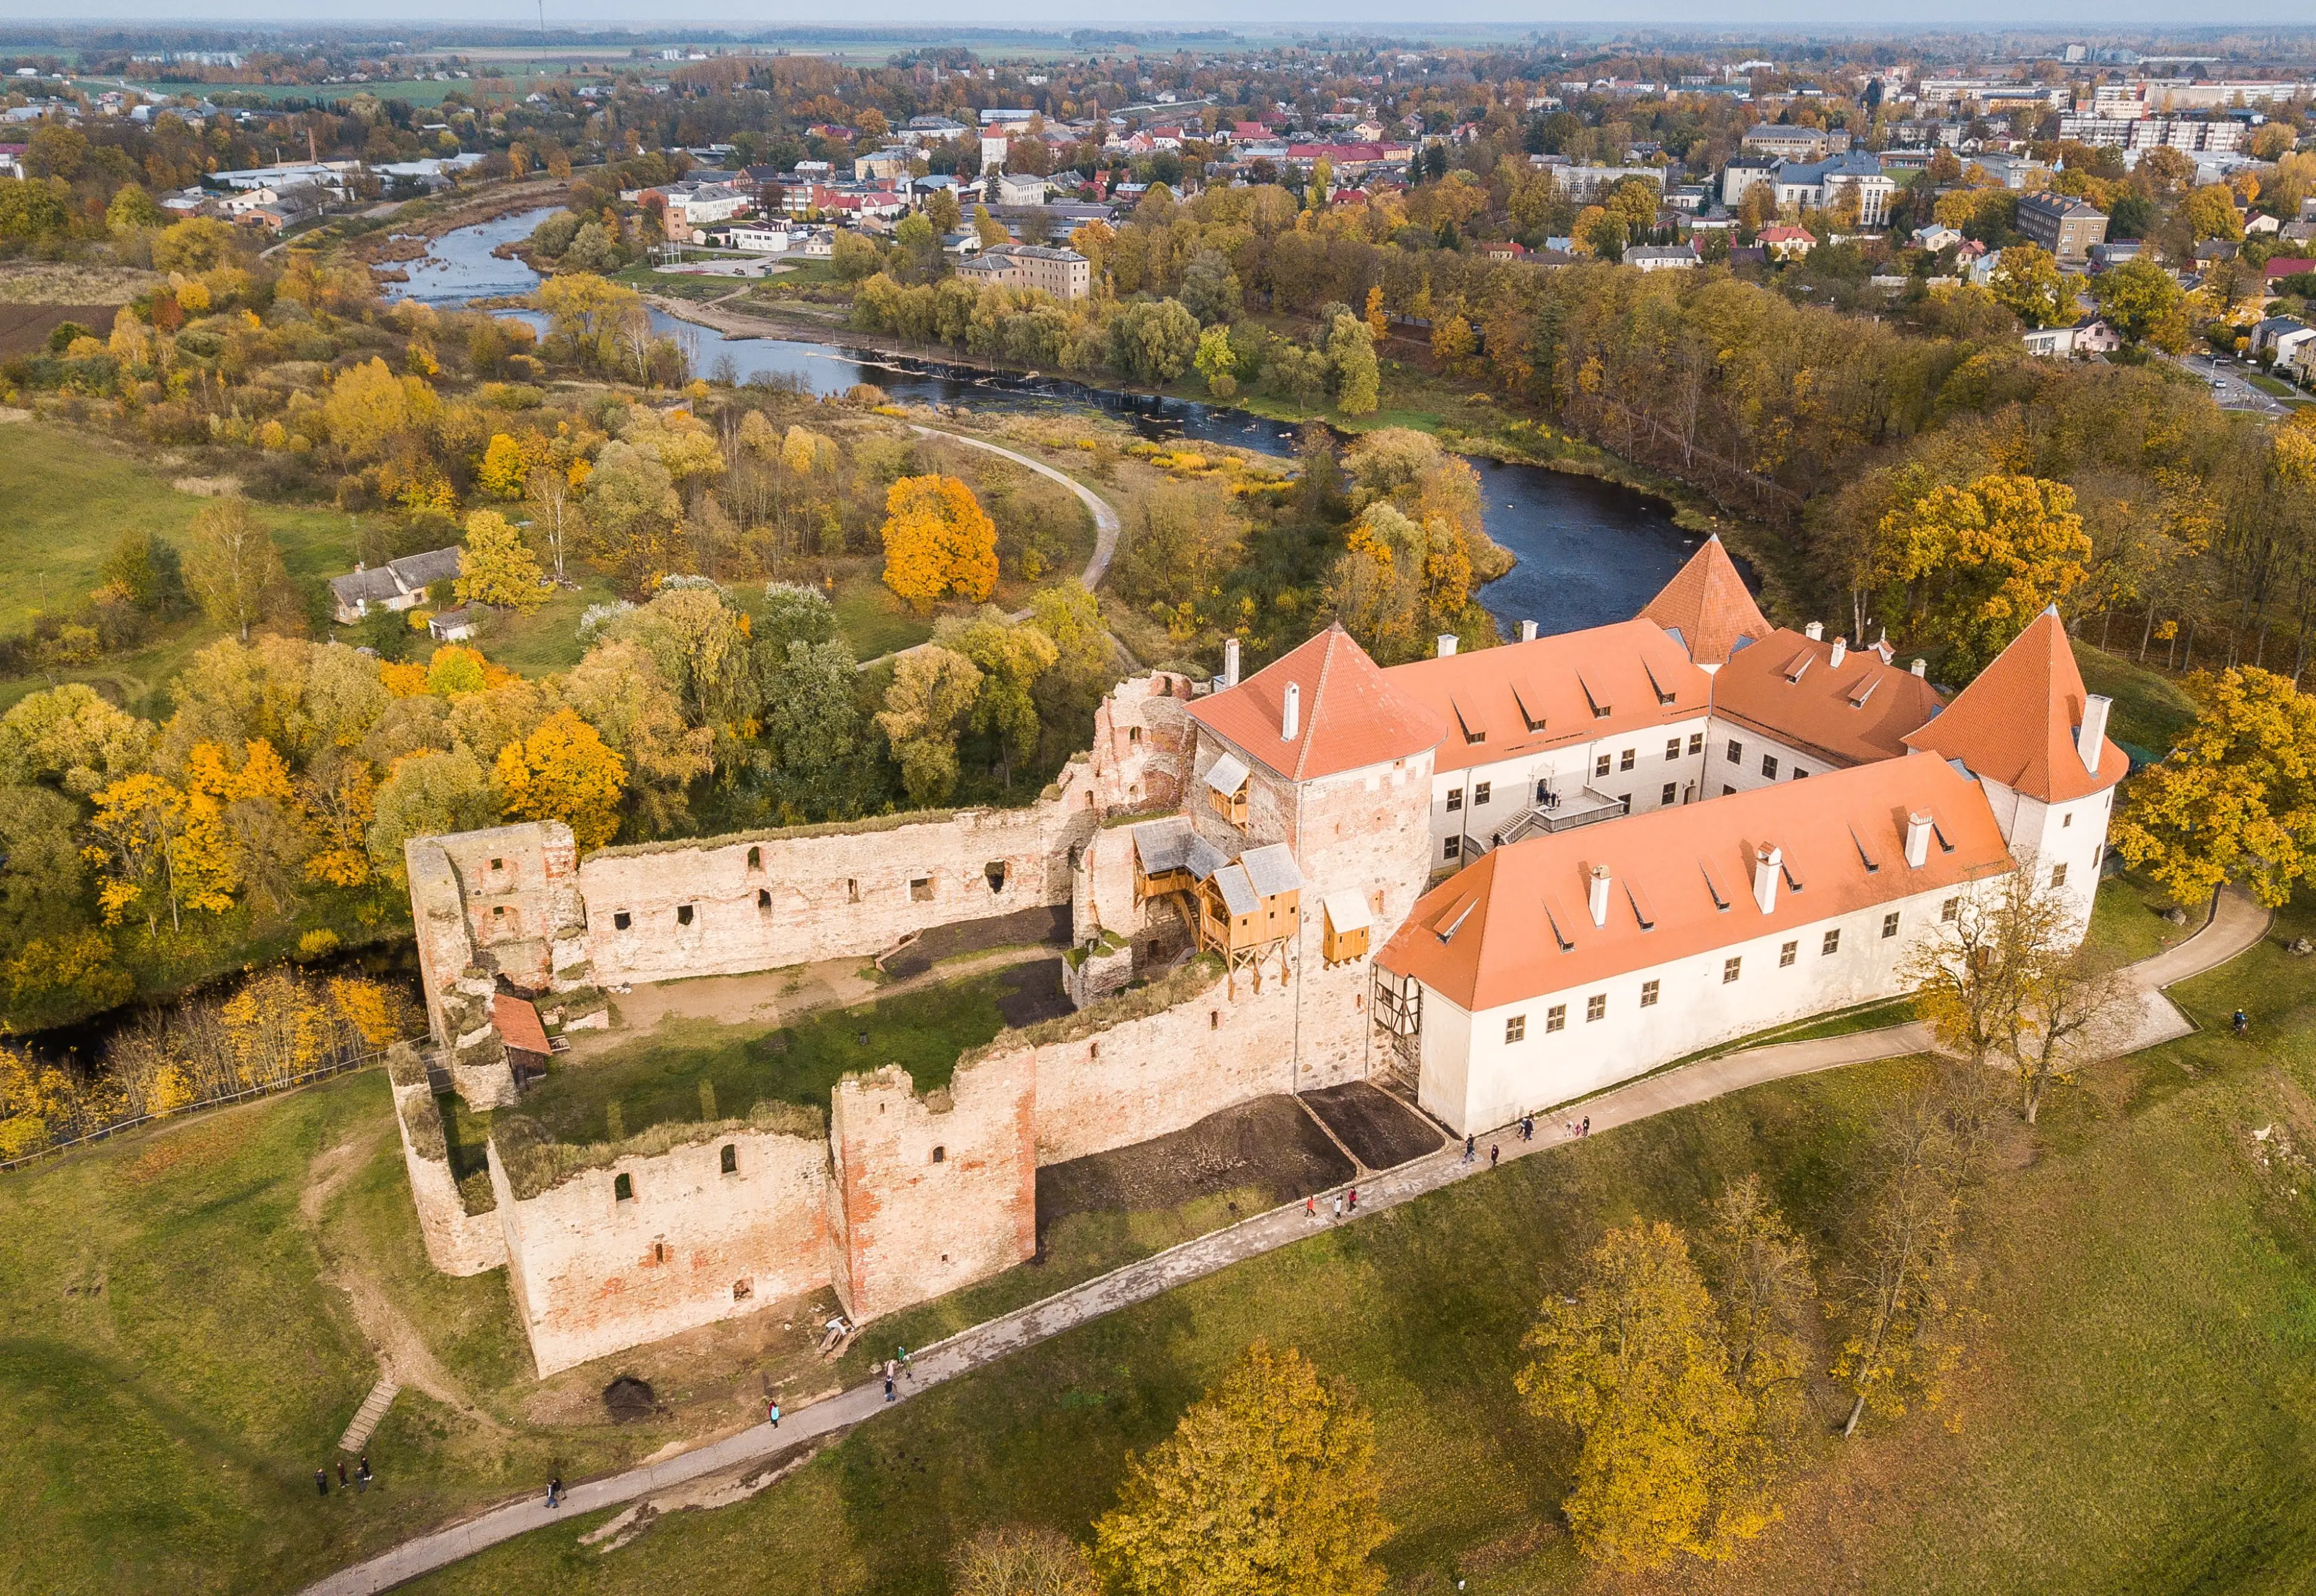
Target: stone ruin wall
593 1274
457 1243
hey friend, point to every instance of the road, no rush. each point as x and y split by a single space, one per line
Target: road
2228 386
2236 925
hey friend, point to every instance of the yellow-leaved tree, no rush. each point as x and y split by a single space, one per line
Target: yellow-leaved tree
938 541
158 848
2236 798
1675 1459
1267 1487
505 469
1969 567
562 771
494 568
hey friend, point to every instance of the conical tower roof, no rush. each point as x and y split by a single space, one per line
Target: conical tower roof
2016 722
1707 607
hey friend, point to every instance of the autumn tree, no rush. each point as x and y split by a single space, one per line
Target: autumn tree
620 691
1267 1487
1901 1276
426 794
232 568
562 771
933 691
2027 282
1674 1460
938 542
157 849
2235 799
1351 359
2143 303
494 568
557 518
1758 1268
1969 567
1015 1560
1013 659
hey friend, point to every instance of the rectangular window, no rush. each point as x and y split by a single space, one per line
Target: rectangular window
1787 954
1736 752
1949 909
1480 790
2064 820
1455 800
1555 1018
1730 967
684 913
1832 942
1671 791
1769 766
621 919
1516 1029
2057 875
1624 760
1452 848
1890 923
623 1188
1672 747
1596 1007
1648 995
1696 742
920 889
1600 765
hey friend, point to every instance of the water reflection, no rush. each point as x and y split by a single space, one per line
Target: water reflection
1589 552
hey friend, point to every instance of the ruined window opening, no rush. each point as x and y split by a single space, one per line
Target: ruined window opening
1133 733
853 889
756 859
764 899
498 864
621 919
1358 1001
1093 1050
742 1291
498 911
996 870
684 913
940 1155
1214 1019
659 1252
730 1159
623 1188
920 889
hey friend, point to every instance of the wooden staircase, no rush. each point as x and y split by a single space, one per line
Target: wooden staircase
368 1417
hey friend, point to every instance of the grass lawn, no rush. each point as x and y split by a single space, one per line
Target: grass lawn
2139 1412
541 641
66 494
2150 710
655 1079
873 620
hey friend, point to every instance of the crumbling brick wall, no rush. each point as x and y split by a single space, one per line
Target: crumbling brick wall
457 1243
935 1191
692 1242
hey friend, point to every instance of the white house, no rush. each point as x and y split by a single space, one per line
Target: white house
1820 814
1667 257
2089 336
761 240
397 585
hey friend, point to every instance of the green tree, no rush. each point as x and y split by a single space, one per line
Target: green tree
1013 659
1267 1487
427 795
1351 357
1674 1457
2142 303
1215 362
1210 288
132 209
933 691
494 568
2027 282
146 568
1153 341
812 760
234 571
620 691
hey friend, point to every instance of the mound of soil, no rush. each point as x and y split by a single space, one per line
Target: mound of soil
1269 1143
627 1399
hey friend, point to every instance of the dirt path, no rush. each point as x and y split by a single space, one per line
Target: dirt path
2236 925
403 1354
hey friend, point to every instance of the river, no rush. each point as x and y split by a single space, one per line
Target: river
1588 552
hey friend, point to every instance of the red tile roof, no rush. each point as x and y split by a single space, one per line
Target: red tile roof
1788 687
1706 605
1528 696
518 1023
1516 925
1351 714
2016 722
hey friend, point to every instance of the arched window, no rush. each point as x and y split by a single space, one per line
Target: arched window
940 1155
731 1159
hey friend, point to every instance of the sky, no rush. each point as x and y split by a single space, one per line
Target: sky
1396 16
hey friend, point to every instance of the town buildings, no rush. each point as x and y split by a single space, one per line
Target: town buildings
2066 226
1062 274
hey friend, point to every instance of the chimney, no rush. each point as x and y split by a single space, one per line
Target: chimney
1921 667
1918 840
1230 662
1290 717
1447 644
1768 862
1841 652
1527 632
1599 895
2090 738
1815 631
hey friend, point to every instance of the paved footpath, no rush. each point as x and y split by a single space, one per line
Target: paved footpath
2236 925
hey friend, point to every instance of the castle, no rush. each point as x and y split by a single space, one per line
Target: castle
1502 880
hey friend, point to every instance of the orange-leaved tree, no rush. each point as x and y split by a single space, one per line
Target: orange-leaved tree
938 541
562 771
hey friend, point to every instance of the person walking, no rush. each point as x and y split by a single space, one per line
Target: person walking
1528 1128
555 1491
889 1387
1470 1143
1495 1152
362 1476
1355 1200
1311 1205
322 1482
1588 1125
773 1411
342 1474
